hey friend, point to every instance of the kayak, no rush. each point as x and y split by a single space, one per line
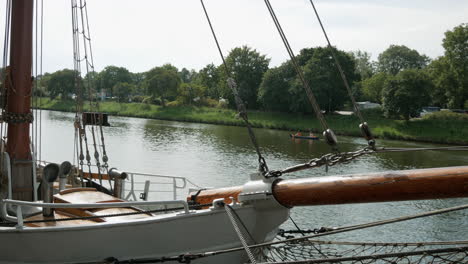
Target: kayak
304 137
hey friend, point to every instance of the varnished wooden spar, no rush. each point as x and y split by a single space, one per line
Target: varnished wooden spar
207 196
435 183
420 184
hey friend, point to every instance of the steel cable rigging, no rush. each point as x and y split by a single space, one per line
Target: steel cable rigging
263 168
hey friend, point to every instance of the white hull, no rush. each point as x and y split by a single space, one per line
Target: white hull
161 236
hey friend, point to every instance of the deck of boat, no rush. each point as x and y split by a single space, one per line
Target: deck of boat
80 196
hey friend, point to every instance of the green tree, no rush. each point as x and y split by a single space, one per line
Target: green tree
110 76
399 57
190 93
455 44
138 80
372 87
406 93
325 80
162 82
444 82
364 66
90 85
273 94
247 67
210 78
123 90
61 83
187 76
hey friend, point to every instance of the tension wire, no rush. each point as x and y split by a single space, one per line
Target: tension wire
363 126
263 168
327 133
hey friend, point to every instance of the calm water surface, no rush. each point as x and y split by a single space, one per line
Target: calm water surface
220 156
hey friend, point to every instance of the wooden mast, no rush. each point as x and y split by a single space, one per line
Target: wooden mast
19 99
436 183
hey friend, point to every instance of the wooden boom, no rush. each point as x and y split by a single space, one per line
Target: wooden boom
420 184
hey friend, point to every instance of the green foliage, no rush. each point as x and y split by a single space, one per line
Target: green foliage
444 82
138 98
273 93
455 44
110 76
62 83
397 58
145 107
364 67
210 78
138 83
122 91
162 82
374 113
406 93
325 80
187 76
447 116
222 104
174 103
190 93
209 102
147 100
443 129
282 90
246 67
372 87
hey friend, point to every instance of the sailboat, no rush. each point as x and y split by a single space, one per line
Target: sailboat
55 213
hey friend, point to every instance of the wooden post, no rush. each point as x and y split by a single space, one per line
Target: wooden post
19 99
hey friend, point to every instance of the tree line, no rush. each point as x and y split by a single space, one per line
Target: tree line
402 80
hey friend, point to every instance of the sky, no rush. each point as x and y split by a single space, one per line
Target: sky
142 34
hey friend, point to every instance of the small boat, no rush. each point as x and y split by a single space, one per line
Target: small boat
303 137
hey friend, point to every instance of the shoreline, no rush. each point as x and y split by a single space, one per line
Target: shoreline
454 132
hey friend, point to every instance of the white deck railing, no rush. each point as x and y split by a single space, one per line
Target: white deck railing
148 185
19 204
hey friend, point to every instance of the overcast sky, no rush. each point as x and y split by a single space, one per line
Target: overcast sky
141 34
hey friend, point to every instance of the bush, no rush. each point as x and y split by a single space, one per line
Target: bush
446 116
138 98
147 100
209 102
174 103
151 100
374 112
222 104
145 107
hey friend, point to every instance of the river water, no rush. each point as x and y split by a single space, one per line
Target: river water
221 156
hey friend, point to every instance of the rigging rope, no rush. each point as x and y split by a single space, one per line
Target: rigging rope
363 126
328 133
352 228
332 159
263 168
229 212
80 28
37 69
307 239
4 78
96 155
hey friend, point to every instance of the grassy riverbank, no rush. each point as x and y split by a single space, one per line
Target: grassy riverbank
443 127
